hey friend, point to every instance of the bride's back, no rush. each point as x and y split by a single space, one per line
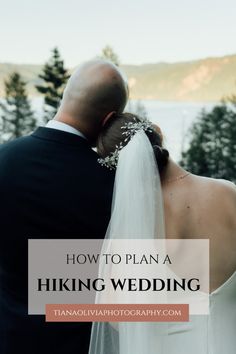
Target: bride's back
198 207
195 207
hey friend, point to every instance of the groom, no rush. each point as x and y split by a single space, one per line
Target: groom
51 186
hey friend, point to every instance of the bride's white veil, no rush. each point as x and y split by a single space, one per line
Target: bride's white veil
137 213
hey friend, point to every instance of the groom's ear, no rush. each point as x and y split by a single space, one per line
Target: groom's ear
109 116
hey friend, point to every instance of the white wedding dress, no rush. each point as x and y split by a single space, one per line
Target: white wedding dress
137 213
208 334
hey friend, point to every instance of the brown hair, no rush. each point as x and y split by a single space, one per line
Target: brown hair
111 136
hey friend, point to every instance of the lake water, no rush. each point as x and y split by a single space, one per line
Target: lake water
174 118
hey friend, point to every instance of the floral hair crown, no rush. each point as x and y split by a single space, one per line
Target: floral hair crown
130 129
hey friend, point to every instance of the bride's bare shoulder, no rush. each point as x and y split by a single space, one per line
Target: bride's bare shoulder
222 185
220 191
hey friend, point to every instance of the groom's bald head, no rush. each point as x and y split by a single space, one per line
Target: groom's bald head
95 90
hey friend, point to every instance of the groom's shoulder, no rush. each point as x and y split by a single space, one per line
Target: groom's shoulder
12 157
14 146
14 154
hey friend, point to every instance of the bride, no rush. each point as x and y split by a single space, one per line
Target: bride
155 197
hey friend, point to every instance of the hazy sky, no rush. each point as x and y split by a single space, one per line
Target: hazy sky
140 31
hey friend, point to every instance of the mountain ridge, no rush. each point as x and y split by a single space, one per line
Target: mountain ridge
207 79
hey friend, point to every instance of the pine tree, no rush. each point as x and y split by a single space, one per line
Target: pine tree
109 54
212 148
54 78
230 100
17 118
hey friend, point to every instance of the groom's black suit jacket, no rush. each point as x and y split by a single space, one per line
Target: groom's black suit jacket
51 186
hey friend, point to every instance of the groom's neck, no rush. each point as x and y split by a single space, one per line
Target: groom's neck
76 124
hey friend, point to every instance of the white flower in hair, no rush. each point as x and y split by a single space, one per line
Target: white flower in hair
111 161
130 129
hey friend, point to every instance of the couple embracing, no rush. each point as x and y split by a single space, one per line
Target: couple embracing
53 184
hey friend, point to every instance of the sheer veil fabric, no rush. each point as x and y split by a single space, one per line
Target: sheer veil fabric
137 213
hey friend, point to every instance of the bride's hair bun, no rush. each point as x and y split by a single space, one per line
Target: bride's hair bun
162 156
112 135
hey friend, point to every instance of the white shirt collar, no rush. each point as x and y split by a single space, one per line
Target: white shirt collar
54 124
